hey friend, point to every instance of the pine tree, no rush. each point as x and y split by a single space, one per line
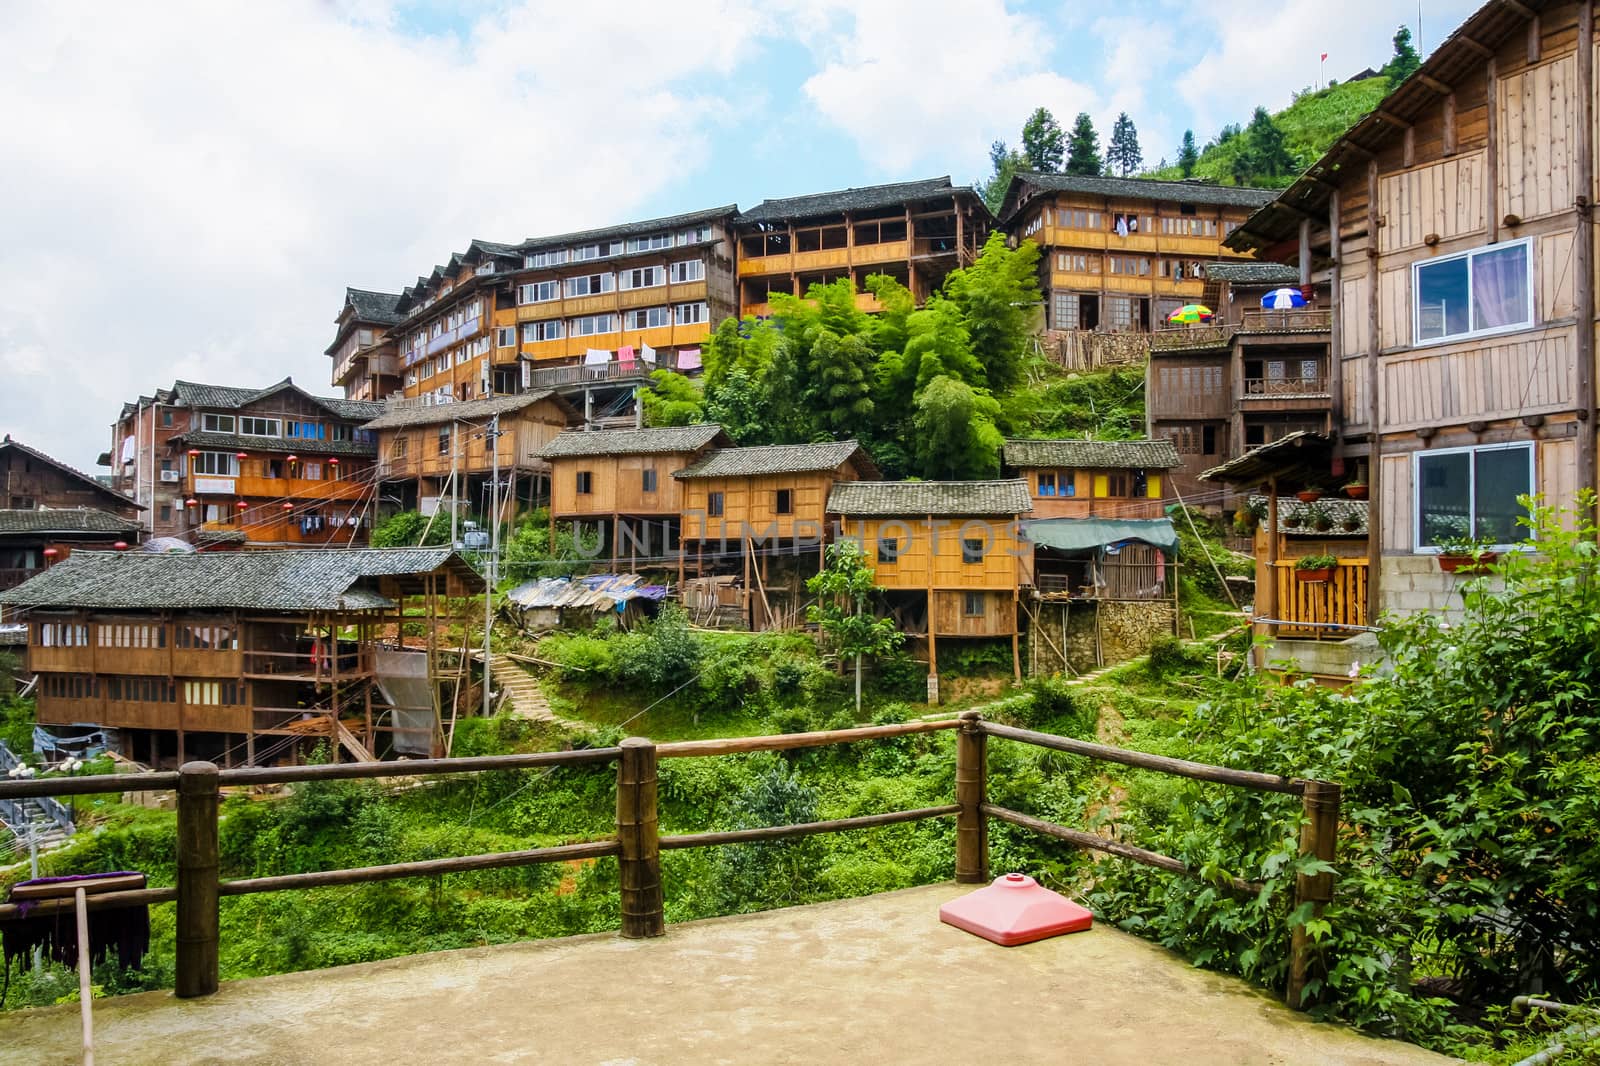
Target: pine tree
1041 142
1123 155
1187 155
1083 147
1005 162
1264 148
1405 61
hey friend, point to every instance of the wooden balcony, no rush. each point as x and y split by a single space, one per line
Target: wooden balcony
1190 338
1327 610
296 488
826 259
1261 395
1287 320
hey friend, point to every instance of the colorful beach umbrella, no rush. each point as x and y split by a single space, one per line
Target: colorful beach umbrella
1283 299
1191 313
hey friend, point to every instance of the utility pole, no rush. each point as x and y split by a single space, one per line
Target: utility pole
492 437
455 455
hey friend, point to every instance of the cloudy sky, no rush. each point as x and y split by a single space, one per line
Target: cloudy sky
188 186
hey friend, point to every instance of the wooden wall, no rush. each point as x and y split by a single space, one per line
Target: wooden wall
523 435
933 558
1091 495
950 617
617 485
749 505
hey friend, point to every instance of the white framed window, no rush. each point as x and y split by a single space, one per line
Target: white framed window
1487 290
551 329
642 278
590 325
539 292
505 337
690 314
217 423
695 235
647 318
591 284
1470 492
251 426
650 243
688 270
216 464
599 250
552 257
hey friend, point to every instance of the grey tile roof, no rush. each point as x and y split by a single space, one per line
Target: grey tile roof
470 410
233 442
270 580
372 306
1245 272
1338 509
662 440
8 444
1189 192
64 520
867 198
900 498
193 394
628 229
779 459
1157 454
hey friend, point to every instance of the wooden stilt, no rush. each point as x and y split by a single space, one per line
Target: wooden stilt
638 834
972 825
1319 837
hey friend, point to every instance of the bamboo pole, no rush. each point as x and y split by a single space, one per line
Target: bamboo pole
1319 837
198 917
785 741
85 986
972 827
639 867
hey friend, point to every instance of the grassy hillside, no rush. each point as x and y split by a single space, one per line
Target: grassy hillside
1309 126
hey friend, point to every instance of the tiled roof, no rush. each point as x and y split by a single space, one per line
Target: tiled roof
868 498
832 203
662 440
1157 454
470 410
371 306
779 459
1244 272
1338 508
70 471
193 394
272 580
628 229
64 520
354 410
1190 192
233 442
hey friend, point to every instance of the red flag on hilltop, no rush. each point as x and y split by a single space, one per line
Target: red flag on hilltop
1324 57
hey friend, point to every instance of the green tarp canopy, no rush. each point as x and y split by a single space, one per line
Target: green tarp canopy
1087 534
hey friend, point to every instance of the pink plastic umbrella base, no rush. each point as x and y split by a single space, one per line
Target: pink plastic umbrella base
1015 909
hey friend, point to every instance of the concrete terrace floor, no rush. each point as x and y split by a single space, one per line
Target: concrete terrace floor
877 980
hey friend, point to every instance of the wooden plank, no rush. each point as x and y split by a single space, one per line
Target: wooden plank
786 741
422 868
803 829
66 889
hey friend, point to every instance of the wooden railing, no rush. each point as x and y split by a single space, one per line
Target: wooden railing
1331 609
1287 320
637 843
1312 386
1171 338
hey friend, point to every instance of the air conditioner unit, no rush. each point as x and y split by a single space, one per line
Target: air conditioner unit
171 477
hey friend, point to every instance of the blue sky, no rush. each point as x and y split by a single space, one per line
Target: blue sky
192 190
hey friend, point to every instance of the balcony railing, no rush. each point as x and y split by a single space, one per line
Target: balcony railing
1287 320
1185 338
1268 387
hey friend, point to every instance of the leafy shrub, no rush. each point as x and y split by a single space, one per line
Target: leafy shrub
1051 705
409 529
900 677
976 658
584 657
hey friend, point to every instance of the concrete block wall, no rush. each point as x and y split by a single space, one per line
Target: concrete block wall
1412 584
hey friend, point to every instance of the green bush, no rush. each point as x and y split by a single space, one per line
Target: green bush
410 529
898 676
1168 655
1052 706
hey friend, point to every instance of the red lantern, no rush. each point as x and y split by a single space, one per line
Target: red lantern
194 451
51 553
121 545
294 458
333 462
242 455
287 506
241 505
191 502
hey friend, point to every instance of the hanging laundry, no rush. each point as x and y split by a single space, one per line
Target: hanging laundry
689 359
1122 225
625 356
596 356
647 354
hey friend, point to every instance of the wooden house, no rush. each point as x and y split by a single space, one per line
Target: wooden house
761 513
1120 254
1453 227
433 455
622 481
948 554
47 509
1092 478
365 363
914 231
245 657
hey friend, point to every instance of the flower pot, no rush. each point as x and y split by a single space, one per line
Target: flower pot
1308 495
1314 575
1356 492
1324 526
1451 564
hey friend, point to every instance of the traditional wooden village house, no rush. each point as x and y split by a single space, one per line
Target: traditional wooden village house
1121 254
1246 378
47 509
621 481
760 514
948 554
915 231
365 360
262 467
246 657
1454 227
1092 478
446 454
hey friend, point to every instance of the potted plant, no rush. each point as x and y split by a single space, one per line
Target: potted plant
1309 495
1356 489
1315 567
1294 518
1318 516
1351 522
1466 555
1244 522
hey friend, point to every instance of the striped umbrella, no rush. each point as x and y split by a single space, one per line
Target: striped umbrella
1283 299
1191 313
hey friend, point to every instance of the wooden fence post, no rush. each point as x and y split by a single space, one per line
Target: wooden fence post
638 833
1318 837
972 825
198 918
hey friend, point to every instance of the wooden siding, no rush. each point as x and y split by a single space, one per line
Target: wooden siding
1091 495
935 561
1536 135
523 435
1319 606
749 505
1497 377
950 617
1443 199
617 485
